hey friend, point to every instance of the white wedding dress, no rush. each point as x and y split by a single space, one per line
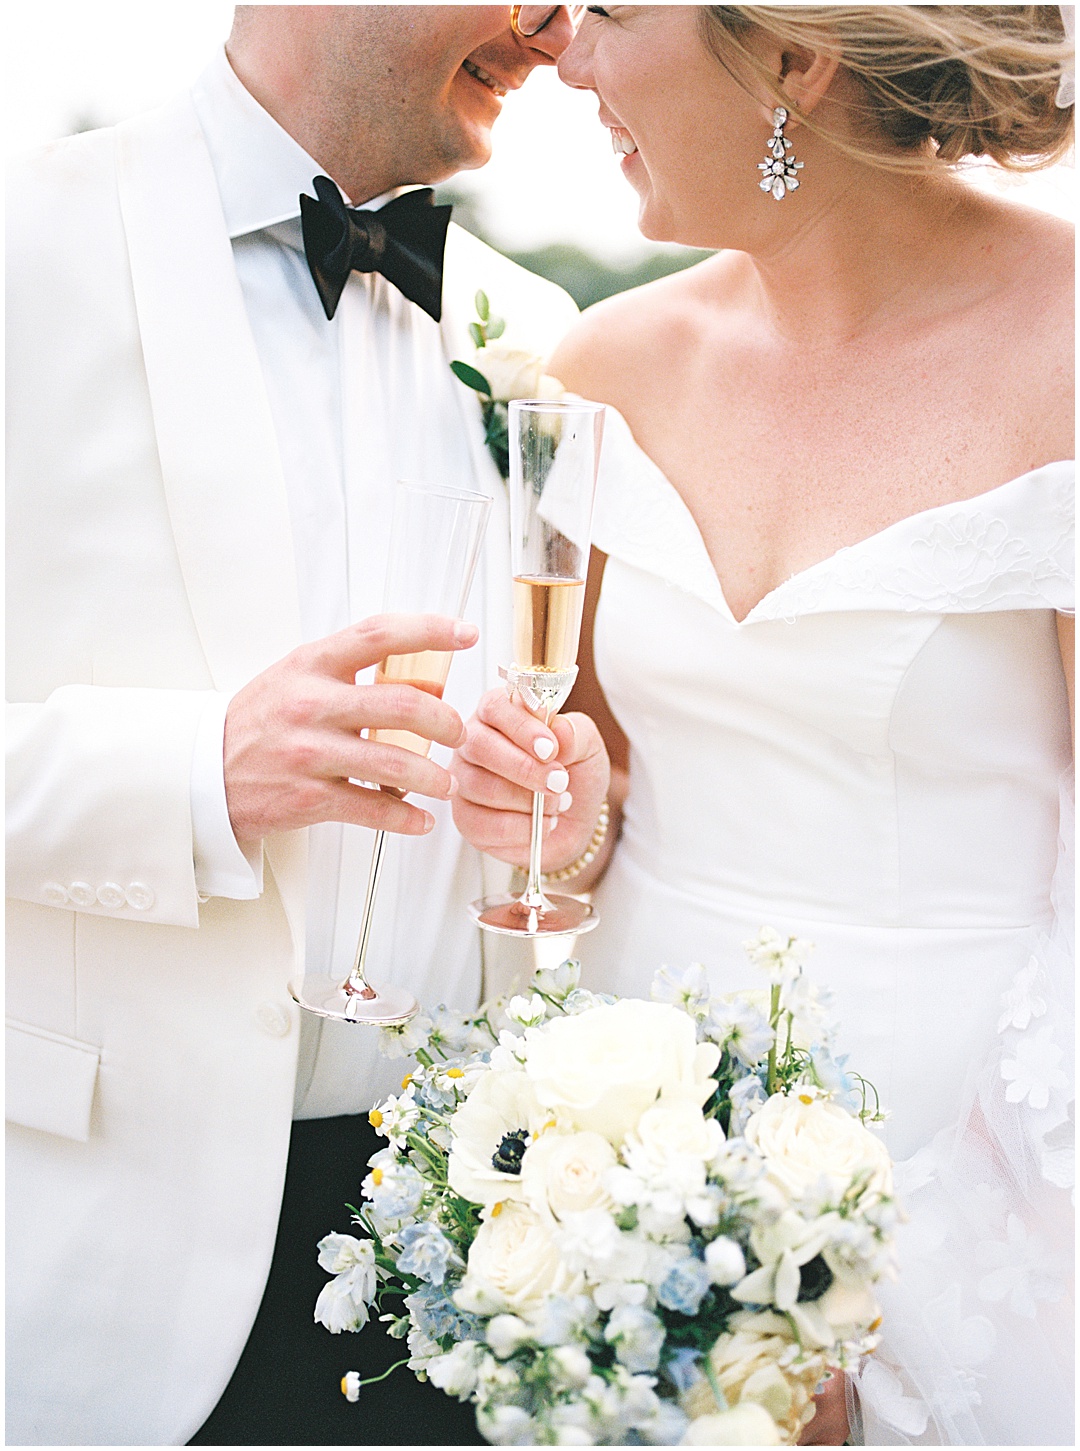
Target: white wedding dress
872 760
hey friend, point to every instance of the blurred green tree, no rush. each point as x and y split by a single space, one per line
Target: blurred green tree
586 277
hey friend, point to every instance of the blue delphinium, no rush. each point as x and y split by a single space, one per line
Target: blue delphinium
426 1252
684 1286
681 1367
437 1316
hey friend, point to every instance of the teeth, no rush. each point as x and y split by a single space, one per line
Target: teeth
622 143
483 77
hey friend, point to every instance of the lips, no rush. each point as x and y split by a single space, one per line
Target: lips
494 86
622 143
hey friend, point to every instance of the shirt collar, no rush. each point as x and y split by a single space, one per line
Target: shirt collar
260 169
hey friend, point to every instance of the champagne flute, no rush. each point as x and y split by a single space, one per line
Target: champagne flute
435 538
554 458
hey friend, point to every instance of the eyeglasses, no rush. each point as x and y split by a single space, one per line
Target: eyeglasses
530 20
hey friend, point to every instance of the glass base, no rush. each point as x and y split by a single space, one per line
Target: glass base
564 916
327 997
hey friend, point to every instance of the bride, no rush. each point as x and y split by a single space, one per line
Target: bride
835 633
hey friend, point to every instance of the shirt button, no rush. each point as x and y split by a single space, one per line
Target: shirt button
54 895
140 896
110 895
82 894
272 1018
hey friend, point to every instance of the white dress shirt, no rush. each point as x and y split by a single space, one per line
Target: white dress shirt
358 402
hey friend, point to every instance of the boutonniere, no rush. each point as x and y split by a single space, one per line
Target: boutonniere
499 374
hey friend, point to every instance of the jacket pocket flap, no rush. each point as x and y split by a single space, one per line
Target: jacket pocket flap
50 1081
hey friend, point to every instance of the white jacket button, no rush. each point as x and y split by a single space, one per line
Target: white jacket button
54 895
110 895
274 1019
139 896
82 894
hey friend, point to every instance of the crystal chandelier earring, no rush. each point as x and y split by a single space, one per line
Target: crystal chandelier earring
781 171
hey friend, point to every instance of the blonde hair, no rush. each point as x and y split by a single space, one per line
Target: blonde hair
939 82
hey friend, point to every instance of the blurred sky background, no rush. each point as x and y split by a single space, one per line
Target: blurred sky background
552 188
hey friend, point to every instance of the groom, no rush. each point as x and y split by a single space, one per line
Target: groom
198 508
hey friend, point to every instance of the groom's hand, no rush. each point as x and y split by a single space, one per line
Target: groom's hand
293 749
507 755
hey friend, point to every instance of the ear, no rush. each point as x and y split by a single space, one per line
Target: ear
806 76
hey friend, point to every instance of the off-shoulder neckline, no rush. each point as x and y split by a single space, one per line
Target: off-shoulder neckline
907 521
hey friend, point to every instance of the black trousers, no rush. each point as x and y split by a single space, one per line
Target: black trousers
286 1389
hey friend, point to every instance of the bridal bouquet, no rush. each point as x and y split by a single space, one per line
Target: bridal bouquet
615 1221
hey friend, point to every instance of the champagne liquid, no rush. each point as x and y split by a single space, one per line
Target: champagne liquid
427 670
547 621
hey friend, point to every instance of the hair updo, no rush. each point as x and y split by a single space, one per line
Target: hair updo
940 82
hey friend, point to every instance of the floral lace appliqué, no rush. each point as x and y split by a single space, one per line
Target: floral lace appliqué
967 560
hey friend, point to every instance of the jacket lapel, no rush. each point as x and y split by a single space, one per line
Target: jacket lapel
219 459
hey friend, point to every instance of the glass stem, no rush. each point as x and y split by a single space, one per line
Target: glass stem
533 897
356 982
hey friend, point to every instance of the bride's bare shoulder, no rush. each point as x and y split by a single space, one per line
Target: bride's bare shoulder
642 331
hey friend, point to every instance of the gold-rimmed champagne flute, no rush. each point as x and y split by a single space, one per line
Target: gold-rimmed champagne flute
554 460
435 539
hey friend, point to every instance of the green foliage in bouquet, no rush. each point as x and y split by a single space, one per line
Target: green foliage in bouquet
612 1222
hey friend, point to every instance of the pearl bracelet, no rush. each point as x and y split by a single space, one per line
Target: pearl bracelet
588 856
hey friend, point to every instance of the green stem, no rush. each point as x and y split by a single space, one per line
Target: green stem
375 1379
774 1020
714 1384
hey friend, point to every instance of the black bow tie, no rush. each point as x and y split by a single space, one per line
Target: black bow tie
404 241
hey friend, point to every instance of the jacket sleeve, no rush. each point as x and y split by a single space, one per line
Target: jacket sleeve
99 802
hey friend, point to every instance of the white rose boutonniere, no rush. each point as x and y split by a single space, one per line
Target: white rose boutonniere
499 374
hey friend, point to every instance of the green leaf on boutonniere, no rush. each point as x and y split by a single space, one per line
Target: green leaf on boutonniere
476 332
471 378
483 309
495 328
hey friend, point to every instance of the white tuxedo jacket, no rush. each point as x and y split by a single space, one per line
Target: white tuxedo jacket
151 1044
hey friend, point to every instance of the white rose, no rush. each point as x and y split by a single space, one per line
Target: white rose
804 1139
500 1104
745 1425
564 1173
672 1143
745 1362
549 387
601 1069
511 372
514 1253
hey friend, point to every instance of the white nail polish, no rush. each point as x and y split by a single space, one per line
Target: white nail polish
565 801
558 780
544 748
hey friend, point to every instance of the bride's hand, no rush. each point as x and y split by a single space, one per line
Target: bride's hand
830 1424
508 754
